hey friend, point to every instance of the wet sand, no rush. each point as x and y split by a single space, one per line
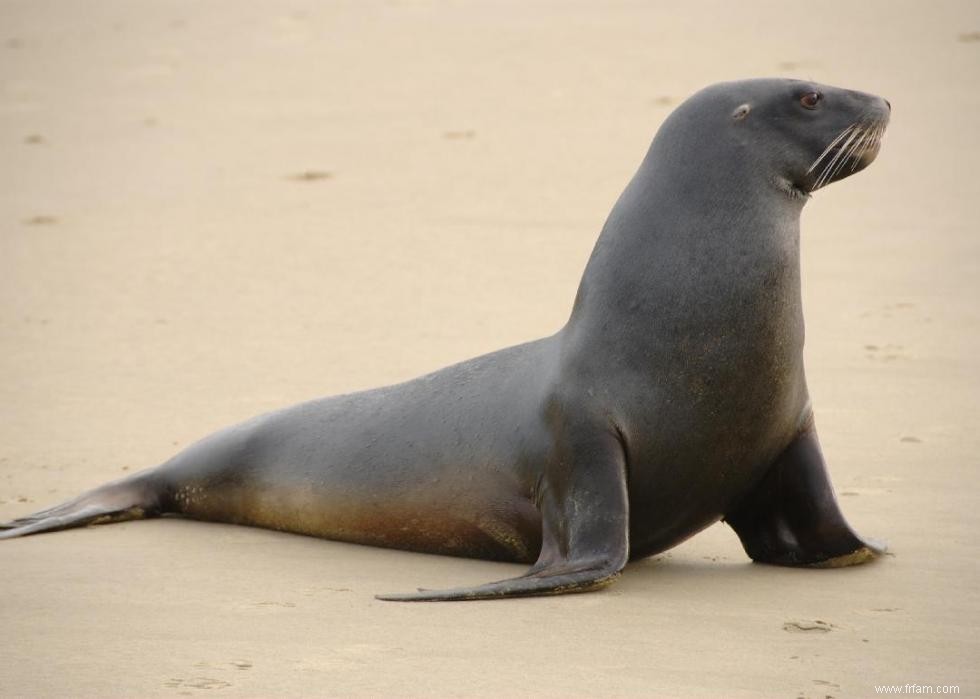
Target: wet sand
210 210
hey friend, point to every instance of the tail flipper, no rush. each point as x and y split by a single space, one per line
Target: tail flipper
130 498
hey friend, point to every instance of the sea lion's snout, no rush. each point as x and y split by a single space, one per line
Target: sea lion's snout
882 110
856 144
877 122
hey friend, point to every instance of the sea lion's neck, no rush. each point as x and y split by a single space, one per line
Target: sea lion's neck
689 245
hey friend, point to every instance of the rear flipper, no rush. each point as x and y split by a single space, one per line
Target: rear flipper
129 498
791 517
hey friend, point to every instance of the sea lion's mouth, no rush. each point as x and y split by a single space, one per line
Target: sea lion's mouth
867 155
853 149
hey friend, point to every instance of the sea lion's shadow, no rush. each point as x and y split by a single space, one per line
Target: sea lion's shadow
723 572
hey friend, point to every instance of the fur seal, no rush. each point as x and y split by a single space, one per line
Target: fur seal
674 396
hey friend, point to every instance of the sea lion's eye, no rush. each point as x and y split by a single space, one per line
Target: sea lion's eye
810 100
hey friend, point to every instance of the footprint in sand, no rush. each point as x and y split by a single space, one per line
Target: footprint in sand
828 685
869 486
204 666
890 310
196 683
808 626
792 66
885 353
40 221
268 605
310 176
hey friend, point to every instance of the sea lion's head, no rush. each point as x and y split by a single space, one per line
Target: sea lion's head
799 134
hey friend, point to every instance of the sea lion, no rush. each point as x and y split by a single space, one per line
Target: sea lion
673 397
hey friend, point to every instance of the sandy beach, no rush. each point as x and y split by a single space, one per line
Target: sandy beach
211 210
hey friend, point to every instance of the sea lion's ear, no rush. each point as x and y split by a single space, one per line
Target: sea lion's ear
741 111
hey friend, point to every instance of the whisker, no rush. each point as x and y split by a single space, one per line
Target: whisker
826 150
874 134
848 151
828 166
862 146
825 175
881 133
852 152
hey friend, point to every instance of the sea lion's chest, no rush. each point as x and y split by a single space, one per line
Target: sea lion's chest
703 419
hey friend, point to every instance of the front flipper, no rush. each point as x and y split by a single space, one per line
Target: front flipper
585 527
791 517
582 578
